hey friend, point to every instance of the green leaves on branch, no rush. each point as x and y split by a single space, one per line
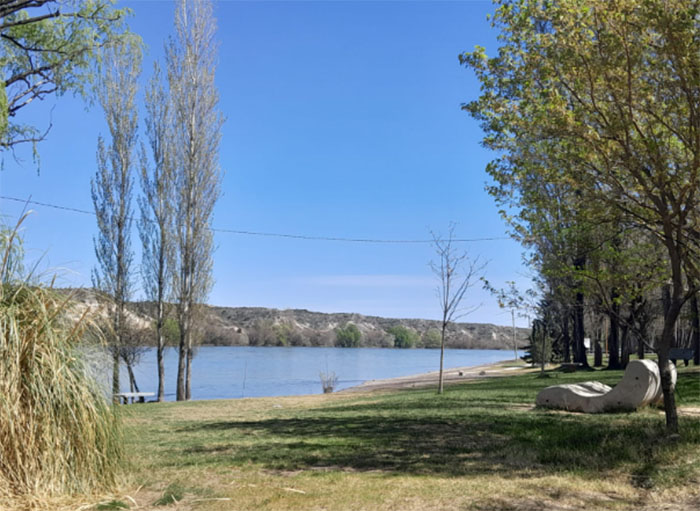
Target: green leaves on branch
50 48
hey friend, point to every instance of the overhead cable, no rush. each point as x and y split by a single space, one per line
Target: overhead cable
273 234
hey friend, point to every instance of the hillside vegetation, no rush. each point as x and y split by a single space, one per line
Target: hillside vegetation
259 326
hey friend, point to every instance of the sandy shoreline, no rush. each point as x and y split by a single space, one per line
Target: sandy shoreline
452 375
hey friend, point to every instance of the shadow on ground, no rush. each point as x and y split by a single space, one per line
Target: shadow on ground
458 434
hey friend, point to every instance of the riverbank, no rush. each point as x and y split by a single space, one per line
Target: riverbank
451 376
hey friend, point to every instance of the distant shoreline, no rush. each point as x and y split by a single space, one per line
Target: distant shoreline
452 375
416 348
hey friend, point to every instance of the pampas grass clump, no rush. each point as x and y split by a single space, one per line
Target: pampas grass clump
58 433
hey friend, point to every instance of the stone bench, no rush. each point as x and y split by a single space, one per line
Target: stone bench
640 386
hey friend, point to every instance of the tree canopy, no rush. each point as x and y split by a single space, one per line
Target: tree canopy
592 107
49 47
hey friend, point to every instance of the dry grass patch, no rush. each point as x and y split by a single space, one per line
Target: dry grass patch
58 434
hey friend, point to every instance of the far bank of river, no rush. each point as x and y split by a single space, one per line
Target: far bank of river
225 372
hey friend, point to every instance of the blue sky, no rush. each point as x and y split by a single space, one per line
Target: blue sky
342 119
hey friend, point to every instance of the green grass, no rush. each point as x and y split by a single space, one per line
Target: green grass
112 505
461 450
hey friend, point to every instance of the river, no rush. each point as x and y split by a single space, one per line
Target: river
225 372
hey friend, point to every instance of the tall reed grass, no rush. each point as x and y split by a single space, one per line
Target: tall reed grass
58 433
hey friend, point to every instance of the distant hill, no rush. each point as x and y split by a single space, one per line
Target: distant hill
259 326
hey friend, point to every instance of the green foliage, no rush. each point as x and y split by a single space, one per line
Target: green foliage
348 336
55 53
540 351
283 334
431 339
171 331
403 337
4 122
112 505
262 333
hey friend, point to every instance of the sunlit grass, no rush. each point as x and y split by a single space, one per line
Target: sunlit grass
481 445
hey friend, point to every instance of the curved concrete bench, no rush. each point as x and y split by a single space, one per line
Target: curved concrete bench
640 386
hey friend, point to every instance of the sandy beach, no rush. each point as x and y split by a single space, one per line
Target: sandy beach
452 375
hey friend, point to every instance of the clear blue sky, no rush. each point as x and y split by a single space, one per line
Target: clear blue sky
342 119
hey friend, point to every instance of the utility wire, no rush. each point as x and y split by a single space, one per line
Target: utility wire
268 234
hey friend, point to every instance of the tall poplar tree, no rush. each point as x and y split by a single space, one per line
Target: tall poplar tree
196 123
112 186
156 206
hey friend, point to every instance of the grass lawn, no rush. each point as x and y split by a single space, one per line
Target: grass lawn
479 446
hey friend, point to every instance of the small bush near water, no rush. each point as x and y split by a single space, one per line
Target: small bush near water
328 382
58 434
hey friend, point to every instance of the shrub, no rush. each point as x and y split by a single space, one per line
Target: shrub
262 333
328 382
58 434
403 337
431 339
348 336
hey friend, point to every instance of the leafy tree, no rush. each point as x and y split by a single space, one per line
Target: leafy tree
604 96
431 339
112 187
49 47
540 351
404 337
170 331
196 134
262 333
348 336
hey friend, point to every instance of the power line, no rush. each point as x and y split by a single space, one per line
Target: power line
270 234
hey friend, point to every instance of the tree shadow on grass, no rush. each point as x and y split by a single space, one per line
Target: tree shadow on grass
417 441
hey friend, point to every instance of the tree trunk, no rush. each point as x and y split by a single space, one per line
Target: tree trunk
115 375
695 322
665 368
442 357
673 302
188 372
666 301
566 338
640 343
580 356
598 351
181 356
614 334
133 386
159 351
624 342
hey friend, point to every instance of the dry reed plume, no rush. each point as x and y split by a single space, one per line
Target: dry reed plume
58 434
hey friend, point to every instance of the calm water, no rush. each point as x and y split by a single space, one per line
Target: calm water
240 371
